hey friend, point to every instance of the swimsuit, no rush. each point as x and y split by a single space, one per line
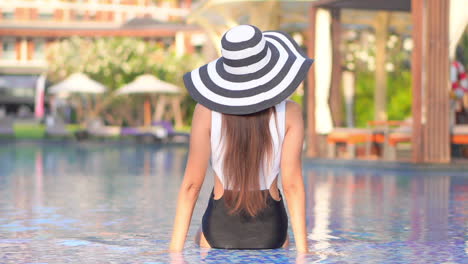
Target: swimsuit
266 230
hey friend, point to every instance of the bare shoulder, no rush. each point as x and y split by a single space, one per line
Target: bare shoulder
202 110
293 114
201 116
293 107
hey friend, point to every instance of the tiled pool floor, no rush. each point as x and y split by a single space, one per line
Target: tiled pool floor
109 203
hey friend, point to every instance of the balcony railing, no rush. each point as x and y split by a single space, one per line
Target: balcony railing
15 62
162 12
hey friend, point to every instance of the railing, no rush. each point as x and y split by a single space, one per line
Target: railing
165 10
9 63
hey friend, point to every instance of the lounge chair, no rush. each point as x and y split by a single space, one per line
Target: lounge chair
172 134
402 134
157 133
350 137
105 131
390 133
460 137
376 132
98 129
55 127
6 127
460 134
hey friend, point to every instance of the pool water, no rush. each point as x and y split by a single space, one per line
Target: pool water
115 203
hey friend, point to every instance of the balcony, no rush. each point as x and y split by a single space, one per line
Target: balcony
13 66
121 12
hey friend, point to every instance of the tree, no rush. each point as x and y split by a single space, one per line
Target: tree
115 62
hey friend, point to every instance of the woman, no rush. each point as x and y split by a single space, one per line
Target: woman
244 124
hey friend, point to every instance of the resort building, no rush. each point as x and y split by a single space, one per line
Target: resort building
29 27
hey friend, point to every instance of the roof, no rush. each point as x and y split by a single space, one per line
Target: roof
135 28
389 5
143 22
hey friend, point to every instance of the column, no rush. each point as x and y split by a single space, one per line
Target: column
311 133
380 96
336 100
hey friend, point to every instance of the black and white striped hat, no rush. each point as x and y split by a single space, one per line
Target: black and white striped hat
256 71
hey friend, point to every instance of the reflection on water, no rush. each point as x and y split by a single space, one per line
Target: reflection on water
106 203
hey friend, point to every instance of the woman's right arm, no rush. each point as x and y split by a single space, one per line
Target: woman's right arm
195 170
291 173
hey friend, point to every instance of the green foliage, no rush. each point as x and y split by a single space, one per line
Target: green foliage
117 61
364 99
29 131
398 94
463 43
190 107
36 131
359 56
296 97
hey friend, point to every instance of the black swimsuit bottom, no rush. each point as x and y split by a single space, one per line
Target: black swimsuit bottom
267 230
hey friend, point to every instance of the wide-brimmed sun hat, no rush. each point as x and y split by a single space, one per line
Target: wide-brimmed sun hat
257 70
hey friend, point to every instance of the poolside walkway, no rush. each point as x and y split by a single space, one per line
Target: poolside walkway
456 166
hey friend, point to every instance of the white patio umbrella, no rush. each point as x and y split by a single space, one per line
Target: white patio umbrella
148 84
77 83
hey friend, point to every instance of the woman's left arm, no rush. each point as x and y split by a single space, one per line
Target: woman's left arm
197 163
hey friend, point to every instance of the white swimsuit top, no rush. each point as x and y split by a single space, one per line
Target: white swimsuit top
266 179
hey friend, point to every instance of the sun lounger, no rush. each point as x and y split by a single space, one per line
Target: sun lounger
392 132
98 129
350 137
376 132
6 127
158 133
173 135
459 135
104 131
55 127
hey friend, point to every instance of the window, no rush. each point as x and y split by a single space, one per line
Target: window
22 86
39 49
79 15
46 16
8 15
92 14
79 12
8 49
22 92
45 12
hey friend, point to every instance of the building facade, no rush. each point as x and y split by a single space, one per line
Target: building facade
29 27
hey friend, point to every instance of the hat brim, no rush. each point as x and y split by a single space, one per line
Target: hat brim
219 90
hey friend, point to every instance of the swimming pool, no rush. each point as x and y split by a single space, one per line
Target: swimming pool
114 203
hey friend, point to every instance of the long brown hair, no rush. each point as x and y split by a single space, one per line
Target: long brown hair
248 146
